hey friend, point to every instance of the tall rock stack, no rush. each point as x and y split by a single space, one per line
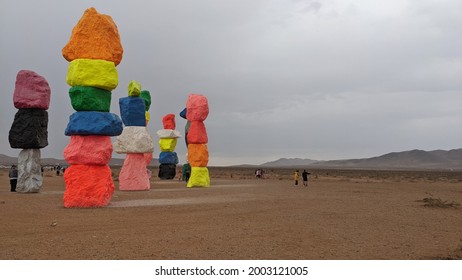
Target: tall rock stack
134 141
93 51
197 110
29 129
146 95
168 158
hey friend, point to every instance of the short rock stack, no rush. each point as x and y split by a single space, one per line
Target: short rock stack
134 141
29 129
93 51
197 110
168 158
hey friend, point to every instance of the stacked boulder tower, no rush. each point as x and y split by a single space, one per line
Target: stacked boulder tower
134 141
29 130
146 95
168 158
93 51
197 110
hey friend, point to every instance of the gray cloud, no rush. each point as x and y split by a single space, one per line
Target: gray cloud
322 80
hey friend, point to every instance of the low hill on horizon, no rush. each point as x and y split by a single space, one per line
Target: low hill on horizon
414 159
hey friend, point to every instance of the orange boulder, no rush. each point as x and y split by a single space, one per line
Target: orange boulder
198 155
88 186
94 37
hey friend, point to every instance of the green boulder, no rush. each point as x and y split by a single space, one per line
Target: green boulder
85 98
146 95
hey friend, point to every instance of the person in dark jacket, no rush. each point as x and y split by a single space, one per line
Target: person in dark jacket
13 174
305 177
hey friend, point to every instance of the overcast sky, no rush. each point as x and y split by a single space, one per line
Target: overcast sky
323 80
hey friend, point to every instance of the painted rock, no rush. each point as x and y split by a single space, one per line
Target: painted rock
88 150
147 158
134 139
199 177
167 171
134 89
30 178
94 37
197 133
169 121
29 129
197 107
90 99
146 95
31 91
147 117
183 113
93 73
168 133
132 111
168 158
198 155
133 175
167 144
88 186
94 123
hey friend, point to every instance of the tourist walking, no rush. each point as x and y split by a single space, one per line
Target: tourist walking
13 174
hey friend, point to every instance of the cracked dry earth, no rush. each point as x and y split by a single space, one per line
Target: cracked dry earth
342 217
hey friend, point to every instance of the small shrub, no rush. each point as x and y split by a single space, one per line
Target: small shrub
438 202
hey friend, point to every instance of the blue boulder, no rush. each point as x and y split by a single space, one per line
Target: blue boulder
183 114
94 123
132 111
168 158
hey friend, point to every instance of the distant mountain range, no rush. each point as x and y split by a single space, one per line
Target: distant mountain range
414 159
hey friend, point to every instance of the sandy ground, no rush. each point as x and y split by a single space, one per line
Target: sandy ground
342 215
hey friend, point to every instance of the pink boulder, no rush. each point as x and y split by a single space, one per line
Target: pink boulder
134 176
147 158
31 91
88 186
89 150
197 107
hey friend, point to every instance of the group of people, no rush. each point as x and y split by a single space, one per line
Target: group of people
305 175
259 173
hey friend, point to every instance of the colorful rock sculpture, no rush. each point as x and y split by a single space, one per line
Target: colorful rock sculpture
29 130
186 168
134 141
93 51
146 95
197 110
168 159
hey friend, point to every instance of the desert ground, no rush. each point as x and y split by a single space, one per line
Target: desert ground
341 215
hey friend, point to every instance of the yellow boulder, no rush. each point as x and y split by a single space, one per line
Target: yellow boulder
199 177
134 88
167 144
92 72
